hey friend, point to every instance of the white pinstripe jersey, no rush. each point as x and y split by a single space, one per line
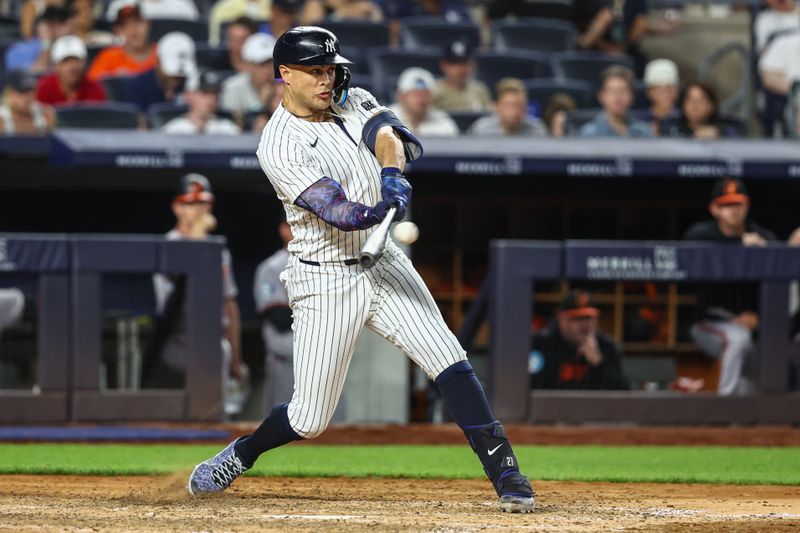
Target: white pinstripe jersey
295 153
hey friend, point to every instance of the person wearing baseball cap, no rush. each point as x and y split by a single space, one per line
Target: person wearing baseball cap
69 84
202 96
414 106
662 83
166 357
728 318
134 54
175 64
20 113
34 54
457 90
570 353
252 89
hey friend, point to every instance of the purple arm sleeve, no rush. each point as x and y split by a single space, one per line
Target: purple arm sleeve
327 200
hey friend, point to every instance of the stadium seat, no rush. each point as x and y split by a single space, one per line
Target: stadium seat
436 32
358 57
578 117
359 33
115 87
211 57
539 34
540 91
386 65
465 119
493 66
365 82
196 29
160 114
106 115
640 100
9 28
586 66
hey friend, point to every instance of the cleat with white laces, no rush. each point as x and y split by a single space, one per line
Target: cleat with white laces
216 474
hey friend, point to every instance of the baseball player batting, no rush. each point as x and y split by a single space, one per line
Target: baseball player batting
335 159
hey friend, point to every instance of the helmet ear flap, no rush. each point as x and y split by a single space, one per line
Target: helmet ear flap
341 84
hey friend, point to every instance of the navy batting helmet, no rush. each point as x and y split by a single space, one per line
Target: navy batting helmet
312 45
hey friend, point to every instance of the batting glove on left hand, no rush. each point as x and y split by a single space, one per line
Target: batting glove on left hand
396 189
382 208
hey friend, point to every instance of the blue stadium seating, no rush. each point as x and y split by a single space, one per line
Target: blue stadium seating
359 33
585 65
436 32
115 87
196 29
107 115
386 65
160 114
539 34
465 119
493 66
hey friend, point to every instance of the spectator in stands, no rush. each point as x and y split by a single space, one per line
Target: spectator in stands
202 96
260 118
354 10
285 14
34 54
232 10
84 25
661 80
236 34
729 319
570 353
164 83
134 54
699 115
169 9
68 84
780 16
778 66
555 114
457 90
510 117
616 97
397 10
20 113
252 89
31 11
626 30
414 105
167 357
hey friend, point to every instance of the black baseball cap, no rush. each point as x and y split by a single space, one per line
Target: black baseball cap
194 188
457 52
577 304
20 81
728 191
206 82
56 14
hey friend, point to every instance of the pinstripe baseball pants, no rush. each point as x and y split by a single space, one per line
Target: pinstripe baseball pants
331 303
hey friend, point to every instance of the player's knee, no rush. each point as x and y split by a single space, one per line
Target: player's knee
312 429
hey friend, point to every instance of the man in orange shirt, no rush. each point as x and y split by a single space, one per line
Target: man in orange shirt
135 54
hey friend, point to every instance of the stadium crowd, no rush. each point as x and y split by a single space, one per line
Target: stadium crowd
448 68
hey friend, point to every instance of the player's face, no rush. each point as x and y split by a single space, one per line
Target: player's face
309 87
576 330
511 109
616 97
731 215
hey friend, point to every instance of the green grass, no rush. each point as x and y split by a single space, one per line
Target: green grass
777 466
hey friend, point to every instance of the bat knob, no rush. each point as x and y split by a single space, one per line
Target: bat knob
367 259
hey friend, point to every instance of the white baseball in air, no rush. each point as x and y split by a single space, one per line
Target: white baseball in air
406 232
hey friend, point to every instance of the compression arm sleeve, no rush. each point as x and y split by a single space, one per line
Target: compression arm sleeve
327 200
411 146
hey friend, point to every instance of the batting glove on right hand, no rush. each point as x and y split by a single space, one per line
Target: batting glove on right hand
396 189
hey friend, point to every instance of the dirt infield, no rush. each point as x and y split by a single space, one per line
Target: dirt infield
64 503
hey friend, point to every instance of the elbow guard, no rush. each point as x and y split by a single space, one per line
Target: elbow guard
411 146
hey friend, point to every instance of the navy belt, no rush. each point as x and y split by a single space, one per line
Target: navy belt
348 262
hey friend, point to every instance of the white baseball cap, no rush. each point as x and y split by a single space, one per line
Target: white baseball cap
415 78
124 8
258 48
176 55
66 47
661 72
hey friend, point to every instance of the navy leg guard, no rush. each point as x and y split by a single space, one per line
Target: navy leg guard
273 432
464 396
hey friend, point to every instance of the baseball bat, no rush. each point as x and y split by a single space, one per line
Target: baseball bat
373 248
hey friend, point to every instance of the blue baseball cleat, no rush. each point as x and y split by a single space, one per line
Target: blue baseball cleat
516 494
216 474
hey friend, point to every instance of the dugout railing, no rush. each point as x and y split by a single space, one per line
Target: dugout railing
517 266
70 271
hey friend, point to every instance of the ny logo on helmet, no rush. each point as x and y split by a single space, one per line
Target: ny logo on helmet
330 47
